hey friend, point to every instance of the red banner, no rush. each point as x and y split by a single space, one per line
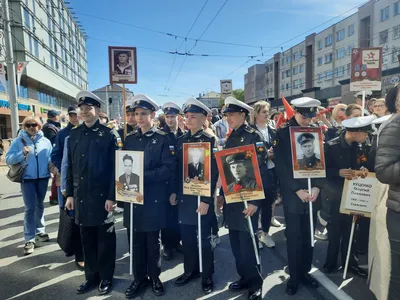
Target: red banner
366 69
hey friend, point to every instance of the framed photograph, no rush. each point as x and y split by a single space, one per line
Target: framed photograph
240 174
307 152
129 176
122 62
197 169
359 194
366 69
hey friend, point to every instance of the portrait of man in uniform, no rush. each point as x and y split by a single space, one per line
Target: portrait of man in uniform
307 150
129 179
122 64
242 172
196 163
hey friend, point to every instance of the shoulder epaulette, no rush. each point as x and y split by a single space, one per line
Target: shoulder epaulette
334 141
130 133
159 131
207 134
249 129
75 127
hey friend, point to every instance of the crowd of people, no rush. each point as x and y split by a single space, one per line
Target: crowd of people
81 158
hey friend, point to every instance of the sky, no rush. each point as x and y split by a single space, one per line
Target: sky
270 24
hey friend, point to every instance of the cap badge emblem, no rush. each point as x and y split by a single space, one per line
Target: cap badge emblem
312 109
242 139
189 105
137 102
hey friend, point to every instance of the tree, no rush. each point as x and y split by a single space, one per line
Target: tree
238 94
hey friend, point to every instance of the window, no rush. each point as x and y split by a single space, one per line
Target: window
396 56
52 60
328 58
385 14
348 68
328 40
396 32
27 19
282 87
295 70
287 86
319 60
36 47
349 49
340 53
30 45
283 61
339 72
319 45
328 75
383 37
396 8
288 59
319 77
283 75
340 35
295 82
288 73
301 68
350 30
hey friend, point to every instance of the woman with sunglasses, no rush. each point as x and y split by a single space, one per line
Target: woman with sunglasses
34 150
338 116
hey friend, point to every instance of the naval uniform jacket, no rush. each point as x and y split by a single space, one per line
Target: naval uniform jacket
159 166
233 212
187 205
284 169
90 174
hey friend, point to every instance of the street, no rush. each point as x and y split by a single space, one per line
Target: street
48 274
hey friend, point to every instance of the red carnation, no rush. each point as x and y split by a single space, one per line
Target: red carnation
237 188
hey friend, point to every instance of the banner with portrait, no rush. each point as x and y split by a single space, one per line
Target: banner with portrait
366 69
307 152
123 65
197 169
240 174
129 176
359 193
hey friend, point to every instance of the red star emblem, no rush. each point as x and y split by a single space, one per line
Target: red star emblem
371 55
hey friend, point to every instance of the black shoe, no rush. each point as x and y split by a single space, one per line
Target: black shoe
179 248
358 271
208 285
158 287
291 288
186 278
105 287
255 295
329 270
167 254
86 287
310 281
238 285
136 287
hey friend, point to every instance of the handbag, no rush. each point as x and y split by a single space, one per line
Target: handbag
65 237
16 171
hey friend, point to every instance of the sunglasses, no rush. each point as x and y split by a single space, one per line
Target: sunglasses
342 109
31 125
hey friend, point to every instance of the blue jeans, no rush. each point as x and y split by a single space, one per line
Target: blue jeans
33 193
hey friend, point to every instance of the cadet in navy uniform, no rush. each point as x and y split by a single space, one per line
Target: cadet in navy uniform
171 235
344 154
234 214
196 115
130 120
149 218
90 192
309 160
295 197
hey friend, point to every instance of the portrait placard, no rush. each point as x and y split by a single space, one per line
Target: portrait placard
197 169
123 65
307 152
240 174
359 194
129 176
366 69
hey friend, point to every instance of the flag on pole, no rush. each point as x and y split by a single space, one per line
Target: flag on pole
3 76
20 69
287 115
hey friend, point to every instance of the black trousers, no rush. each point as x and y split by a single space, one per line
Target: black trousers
362 234
338 239
214 224
298 241
393 227
191 249
99 247
171 235
266 209
146 254
246 263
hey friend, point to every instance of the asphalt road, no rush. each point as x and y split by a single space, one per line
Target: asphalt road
48 274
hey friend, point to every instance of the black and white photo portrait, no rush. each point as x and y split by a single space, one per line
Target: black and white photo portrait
308 152
242 172
196 163
129 179
122 65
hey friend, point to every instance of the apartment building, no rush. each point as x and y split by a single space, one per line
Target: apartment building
269 85
254 84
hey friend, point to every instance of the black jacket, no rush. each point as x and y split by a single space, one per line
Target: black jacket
159 166
284 169
133 180
187 205
91 169
58 148
129 130
51 129
233 212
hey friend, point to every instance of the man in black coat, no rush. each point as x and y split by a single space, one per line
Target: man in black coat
309 160
196 168
235 215
91 192
295 198
150 217
171 235
188 208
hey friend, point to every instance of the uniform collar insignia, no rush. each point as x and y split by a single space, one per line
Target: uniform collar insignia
242 139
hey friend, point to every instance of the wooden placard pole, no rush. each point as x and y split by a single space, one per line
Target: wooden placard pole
311 214
124 109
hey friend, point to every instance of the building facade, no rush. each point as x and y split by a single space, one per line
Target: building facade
210 99
320 66
254 82
45 34
113 95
